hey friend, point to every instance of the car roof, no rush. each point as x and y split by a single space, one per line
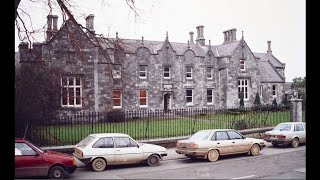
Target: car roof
109 135
20 140
217 130
292 122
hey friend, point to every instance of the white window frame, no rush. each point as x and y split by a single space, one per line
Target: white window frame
189 72
74 86
243 84
146 105
261 90
242 65
117 107
274 91
169 72
189 103
143 71
209 73
212 96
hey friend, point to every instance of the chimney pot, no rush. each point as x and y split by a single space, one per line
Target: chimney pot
269 47
200 38
89 23
23 45
191 37
55 22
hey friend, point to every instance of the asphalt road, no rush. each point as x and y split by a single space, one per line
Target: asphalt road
272 163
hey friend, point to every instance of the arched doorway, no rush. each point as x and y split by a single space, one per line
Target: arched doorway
167 102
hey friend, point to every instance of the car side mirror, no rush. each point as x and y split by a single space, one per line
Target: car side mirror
37 154
138 146
243 137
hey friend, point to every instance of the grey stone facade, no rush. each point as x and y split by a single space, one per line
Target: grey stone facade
92 63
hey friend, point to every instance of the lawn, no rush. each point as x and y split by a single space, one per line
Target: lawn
156 127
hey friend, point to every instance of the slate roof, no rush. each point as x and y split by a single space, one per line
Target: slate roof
265 57
268 73
131 45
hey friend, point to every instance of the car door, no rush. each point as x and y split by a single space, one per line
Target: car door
222 142
238 142
299 131
29 162
127 151
104 147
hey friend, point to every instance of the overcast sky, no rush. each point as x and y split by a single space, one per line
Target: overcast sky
283 22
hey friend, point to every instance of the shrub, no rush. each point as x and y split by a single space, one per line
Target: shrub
116 115
240 124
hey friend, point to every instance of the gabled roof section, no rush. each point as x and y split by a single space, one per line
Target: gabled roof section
268 73
223 50
265 57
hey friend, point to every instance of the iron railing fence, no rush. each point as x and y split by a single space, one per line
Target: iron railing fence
150 124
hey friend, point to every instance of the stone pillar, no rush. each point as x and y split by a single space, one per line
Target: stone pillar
295 110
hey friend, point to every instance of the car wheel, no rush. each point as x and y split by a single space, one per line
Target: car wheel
255 150
98 164
57 172
213 155
295 142
153 160
275 144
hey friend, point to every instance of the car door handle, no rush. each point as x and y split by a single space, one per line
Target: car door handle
232 142
218 143
118 150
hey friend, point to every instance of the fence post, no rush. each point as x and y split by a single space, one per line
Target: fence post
295 110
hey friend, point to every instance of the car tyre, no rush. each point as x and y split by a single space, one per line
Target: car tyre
213 155
57 172
275 144
98 165
255 150
295 142
153 160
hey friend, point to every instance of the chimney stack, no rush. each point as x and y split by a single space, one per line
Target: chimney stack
200 39
52 29
269 47
230 35
89 23
191 37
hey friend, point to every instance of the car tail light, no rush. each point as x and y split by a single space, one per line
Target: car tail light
178 144
79 152
74 162
193 145
281 137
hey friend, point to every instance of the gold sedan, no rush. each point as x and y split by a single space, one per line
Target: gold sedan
212 143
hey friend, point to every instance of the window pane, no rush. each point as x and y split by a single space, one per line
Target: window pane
116 102
166 69
143 101
209 92
64 81
189 75
189 69
189 92
70 81
78 81
77 92
189 99
116 94
142 74
143 93
209 99
143 68
78 101
166 75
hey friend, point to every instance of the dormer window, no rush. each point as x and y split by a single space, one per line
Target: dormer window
166 72
189 72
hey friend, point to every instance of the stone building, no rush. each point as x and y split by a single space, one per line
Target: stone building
100 74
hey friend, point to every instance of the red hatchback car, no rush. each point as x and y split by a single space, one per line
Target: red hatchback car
31 161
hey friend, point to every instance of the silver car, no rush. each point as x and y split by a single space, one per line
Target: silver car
210 144
102 149
288 133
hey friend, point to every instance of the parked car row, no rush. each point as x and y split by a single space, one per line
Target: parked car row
100 150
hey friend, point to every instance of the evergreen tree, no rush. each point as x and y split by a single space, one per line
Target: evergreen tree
274 102
241 99
257 101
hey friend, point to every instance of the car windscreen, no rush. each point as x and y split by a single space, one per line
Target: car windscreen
201 135
85 141
283 127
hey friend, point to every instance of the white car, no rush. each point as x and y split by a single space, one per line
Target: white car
210 144
288 133
102 149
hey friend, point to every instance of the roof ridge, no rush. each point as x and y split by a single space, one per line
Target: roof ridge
276 70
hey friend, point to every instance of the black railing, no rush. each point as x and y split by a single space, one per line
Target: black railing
151 124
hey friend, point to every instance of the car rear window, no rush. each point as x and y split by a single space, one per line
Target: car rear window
85 141
283 127
201 135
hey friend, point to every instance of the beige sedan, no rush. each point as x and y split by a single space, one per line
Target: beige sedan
210 144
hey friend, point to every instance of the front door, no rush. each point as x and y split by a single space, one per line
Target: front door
167 102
